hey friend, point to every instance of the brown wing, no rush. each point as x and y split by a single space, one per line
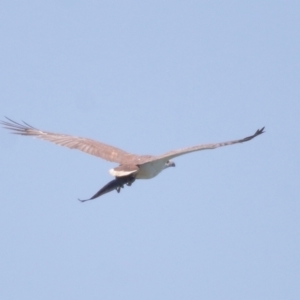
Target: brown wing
89 146
172 154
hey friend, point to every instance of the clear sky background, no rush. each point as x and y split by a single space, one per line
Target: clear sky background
149 77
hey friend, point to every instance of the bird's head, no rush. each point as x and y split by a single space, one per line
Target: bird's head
169 163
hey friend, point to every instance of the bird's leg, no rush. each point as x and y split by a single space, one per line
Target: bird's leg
119 188
131 180
125 180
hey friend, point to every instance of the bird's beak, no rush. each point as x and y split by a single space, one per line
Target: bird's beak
171 164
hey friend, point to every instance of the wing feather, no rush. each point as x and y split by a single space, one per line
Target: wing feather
86 145
175 153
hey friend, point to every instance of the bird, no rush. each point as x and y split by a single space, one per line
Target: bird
131 166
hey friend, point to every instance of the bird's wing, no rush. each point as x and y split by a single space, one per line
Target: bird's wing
89 146
175 153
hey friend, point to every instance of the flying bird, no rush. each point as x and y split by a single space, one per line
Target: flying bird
131 166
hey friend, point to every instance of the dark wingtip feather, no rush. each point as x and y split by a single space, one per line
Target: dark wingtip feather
15 127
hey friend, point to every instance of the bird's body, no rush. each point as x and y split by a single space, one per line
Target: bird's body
151 169
131 166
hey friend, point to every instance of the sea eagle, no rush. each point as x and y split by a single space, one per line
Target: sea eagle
131 166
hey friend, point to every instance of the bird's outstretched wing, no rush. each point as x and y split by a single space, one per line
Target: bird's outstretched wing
89 146
175 153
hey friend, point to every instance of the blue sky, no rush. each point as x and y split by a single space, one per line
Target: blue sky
149 77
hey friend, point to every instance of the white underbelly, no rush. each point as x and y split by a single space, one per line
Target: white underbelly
150 170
